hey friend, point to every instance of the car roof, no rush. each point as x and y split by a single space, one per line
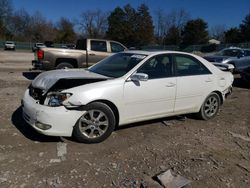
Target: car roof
155 52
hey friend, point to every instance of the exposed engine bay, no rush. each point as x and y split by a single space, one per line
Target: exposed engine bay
53 94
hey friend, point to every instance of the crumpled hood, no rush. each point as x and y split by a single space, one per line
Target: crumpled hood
47 79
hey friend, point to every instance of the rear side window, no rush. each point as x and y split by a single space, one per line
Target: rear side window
188 66
115 47
231 52
247 53
99 46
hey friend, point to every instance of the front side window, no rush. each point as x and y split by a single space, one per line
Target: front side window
188 66
99 46
115 47
157 67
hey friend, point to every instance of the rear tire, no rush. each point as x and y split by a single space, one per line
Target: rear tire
64 65
210 107
96 124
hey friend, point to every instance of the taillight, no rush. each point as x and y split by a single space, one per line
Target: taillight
40 54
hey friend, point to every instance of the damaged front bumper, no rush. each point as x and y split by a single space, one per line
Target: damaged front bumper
52 121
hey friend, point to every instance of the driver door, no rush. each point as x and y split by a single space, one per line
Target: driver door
152 98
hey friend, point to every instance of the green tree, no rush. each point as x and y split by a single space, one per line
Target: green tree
66 33
145 28
195 32
172 36
131 27
121 25
245 29
233 35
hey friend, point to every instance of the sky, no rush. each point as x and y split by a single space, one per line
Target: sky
229 13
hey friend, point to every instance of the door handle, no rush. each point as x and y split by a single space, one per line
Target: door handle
171 84
92 54
208 80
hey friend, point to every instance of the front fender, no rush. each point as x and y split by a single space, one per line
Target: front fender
110 90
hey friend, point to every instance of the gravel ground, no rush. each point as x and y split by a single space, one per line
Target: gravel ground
213 153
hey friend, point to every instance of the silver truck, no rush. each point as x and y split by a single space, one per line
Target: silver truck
87 52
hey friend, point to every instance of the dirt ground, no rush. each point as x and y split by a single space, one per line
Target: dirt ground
206 152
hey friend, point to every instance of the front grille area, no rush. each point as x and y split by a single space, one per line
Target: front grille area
35 93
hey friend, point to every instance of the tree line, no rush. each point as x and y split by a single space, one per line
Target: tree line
132 27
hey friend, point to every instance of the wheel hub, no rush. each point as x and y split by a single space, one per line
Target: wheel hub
93 123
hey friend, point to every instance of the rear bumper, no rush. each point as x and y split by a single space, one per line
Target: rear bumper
228 91
41 65
36 64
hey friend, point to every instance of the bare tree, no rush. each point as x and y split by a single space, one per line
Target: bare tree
41 29
66 33
5 15
20 24
167 21
93 23
160 27
218 32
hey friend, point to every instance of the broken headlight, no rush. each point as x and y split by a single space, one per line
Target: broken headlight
56 99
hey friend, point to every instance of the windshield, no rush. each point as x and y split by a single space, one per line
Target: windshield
117 65
9 42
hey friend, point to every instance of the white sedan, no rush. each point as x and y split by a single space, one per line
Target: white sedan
124 88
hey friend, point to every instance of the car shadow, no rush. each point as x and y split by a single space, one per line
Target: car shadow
166 121
31 75
28 131
240 83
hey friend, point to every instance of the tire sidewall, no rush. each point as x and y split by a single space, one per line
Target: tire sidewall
202 110
64 65
111 118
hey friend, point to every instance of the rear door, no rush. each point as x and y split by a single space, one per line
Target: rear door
194 81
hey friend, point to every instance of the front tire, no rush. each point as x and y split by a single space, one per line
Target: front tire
210 107
96 124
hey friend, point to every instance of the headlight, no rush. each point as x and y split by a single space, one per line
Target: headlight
56 99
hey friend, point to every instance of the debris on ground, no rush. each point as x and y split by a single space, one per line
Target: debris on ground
2 180
181 118
170 181
167 123
54 182
61 150
245 138
244 167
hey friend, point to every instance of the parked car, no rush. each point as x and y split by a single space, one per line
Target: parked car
9 45
239 63
245 74
87 52
225 54
37 46
124 88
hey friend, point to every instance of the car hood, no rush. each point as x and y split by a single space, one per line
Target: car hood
48 79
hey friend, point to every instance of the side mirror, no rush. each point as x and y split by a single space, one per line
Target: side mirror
139 77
